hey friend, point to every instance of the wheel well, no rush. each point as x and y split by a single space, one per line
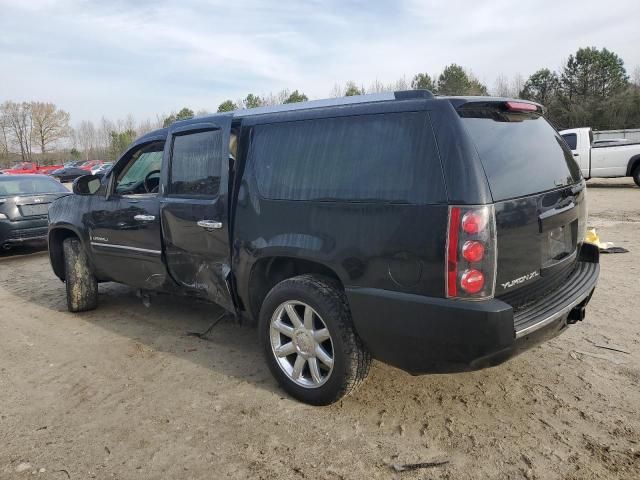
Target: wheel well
634 163
268 272
56 237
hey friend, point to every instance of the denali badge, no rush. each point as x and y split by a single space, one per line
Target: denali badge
518 281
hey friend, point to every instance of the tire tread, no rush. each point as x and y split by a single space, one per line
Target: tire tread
80 283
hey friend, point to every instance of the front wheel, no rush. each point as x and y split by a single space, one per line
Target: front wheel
81 284
309 341
636 175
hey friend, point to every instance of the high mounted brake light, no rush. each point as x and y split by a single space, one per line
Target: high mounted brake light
521 107
471 252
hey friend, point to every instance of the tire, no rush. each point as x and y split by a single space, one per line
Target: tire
350 361
81 284
636 175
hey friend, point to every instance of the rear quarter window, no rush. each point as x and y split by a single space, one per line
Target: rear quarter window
521 153
382 157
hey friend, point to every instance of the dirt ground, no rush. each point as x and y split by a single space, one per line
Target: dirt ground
123 392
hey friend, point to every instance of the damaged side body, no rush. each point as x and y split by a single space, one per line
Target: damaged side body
159 220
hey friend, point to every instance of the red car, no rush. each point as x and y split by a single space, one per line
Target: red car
30 168
90 165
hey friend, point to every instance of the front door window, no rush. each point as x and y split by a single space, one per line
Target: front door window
141 174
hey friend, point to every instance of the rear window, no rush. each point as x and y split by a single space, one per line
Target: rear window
28 186
521 152
382 157
571 139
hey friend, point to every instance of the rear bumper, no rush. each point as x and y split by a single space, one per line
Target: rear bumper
433 335
22 231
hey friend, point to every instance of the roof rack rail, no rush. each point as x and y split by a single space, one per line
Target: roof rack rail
336 102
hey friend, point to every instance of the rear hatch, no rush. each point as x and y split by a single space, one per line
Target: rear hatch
27 197
539 196
27 207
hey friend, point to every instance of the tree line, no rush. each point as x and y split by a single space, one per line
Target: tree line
592 88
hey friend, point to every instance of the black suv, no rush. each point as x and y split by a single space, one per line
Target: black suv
436 234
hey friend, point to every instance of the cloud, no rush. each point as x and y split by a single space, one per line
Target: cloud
148 57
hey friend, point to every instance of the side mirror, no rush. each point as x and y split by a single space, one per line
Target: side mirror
86 184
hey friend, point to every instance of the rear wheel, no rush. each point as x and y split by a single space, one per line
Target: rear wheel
81 284
309 341
636 175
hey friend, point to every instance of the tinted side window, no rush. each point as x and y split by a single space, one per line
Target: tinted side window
196 163
382 157
571 139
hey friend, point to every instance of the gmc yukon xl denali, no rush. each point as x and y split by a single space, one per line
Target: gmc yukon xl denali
436 234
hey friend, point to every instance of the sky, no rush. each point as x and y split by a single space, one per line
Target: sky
142 57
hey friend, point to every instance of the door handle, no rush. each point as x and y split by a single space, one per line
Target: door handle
209 224
144 218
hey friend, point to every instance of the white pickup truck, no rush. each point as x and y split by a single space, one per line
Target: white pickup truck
615 159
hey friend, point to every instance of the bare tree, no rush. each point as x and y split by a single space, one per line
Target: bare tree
401 84
275 99
19 124
635 76
50 124
148 125
4 137
86 137
336 91
517 85
377 87
103 136
501 87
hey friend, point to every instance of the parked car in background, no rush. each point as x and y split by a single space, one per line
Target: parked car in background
27 168
603 159
91 164
70 173
101 169
436 234
24 203
73 163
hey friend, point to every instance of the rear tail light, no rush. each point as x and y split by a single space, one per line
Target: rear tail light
471 252
472 281
474 221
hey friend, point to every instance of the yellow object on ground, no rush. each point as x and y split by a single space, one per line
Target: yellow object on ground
604 247
592 237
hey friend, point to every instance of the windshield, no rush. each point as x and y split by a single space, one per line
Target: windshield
521 152
35 185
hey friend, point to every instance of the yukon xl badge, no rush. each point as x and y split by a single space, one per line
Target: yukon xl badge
519 280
